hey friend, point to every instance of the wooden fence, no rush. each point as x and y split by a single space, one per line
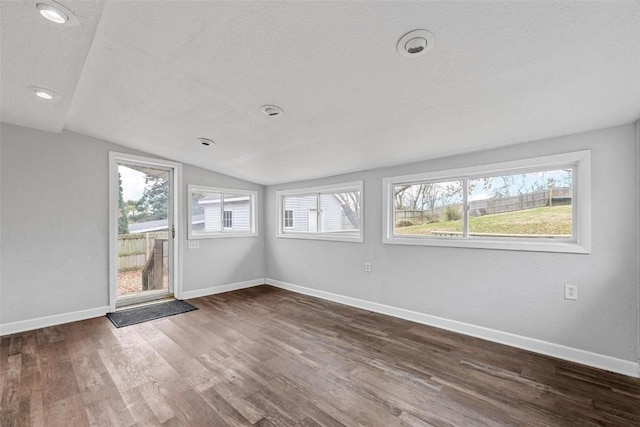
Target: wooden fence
536 199
134 250
420 216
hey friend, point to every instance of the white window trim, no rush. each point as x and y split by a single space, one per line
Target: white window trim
335 188
177 257
226 232
581 212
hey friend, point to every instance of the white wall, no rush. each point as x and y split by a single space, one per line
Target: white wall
516 292
54 227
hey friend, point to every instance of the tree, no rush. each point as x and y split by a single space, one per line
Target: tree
196 207
517 185
428 196
154 203
123 221
131 209
351 207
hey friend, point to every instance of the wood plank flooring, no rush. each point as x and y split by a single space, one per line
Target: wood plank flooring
268 357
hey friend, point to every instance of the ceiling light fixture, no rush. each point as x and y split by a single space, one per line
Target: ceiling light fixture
206 141
416 43
52 13
272 110
44 93
55 12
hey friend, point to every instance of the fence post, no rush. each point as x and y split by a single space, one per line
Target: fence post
157 266
146 245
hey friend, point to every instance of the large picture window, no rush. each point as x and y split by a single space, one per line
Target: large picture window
325 213
219 212
539 204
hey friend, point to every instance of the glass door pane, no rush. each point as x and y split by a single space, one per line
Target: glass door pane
144 228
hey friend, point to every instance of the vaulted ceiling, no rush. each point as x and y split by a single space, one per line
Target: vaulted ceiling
157 75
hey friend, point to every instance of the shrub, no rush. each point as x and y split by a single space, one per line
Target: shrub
403 223
452 213
430 219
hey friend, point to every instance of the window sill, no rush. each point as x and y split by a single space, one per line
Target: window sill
326 237
532 245
222 236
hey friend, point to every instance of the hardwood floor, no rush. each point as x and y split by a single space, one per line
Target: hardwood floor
268 357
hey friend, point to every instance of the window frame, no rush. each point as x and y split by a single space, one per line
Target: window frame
580 241
281 231
224 232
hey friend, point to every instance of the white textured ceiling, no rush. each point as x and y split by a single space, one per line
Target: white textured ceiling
156 75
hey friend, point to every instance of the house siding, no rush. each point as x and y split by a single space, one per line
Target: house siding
241 216
332 214
301 206
212 220
332 217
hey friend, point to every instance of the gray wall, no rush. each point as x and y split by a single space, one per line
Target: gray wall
55 260
515 292
223 261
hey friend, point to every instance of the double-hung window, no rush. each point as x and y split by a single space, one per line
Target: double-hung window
538 204
331 212
221 212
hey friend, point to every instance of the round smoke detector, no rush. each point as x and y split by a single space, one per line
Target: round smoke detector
272 110
416 43
206 141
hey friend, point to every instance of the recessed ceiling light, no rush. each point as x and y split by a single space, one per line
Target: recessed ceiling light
416 43
52 13
55 12
44 93
206 141
272 110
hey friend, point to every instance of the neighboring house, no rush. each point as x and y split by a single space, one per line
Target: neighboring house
236 215
148 226
300 214
161 225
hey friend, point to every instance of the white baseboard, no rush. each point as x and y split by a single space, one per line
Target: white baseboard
222 288
57 319
596 360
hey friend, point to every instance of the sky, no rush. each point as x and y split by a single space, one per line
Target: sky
132 183
527 181
520 182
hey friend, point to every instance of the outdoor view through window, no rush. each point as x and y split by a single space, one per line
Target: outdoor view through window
143 252
217 212
521 205
334 213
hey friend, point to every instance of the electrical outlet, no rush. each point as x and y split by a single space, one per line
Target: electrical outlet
367 267
193 244
570 292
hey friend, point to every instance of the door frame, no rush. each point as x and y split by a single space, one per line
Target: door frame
175 260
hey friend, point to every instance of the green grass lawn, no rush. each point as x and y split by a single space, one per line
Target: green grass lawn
547 220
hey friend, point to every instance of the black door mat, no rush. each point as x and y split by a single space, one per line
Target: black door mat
149 312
